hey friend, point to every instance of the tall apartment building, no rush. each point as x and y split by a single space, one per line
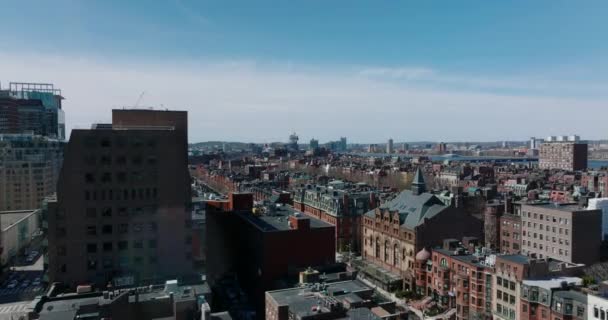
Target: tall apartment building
563 232
563 152
29 168
122 209
32 107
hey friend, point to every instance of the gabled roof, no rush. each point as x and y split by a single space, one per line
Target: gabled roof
412 208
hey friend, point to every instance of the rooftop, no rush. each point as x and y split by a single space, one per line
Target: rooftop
516 258
302 300
412 208
277 219
553 283
571 294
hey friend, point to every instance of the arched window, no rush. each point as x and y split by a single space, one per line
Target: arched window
395 255
377 247
443 262
386 250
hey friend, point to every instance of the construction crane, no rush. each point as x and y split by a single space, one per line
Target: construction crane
139 99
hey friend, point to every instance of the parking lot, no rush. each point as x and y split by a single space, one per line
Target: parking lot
24 280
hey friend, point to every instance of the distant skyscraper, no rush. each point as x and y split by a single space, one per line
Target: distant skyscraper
343 144
32 107
314 144
442 148
405 147
293 141
563 152
122 213
389 146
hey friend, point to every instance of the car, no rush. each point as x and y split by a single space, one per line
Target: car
11 285
25 284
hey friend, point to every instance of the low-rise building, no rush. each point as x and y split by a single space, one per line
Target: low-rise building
339 300
340 204
263 246
413 220
539 296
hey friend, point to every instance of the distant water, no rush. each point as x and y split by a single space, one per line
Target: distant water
592 164
596 164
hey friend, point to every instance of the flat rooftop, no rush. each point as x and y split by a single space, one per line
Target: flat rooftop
279 218
553 283
567 207
302 300
466 258
516 258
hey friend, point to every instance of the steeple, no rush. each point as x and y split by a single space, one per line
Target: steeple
418 184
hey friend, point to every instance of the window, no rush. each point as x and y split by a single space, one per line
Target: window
152 243
91 230
89 177
122 212
512 285
123 228
106 229
61 251
91 247
107 263
106 212
123 245
91 264
138 244
107 246
91 213
153 259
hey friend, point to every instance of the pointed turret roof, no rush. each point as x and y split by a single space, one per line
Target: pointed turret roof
418 184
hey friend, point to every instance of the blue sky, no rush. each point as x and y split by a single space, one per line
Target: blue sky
370 70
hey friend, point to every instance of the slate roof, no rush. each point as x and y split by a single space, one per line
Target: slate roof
412 208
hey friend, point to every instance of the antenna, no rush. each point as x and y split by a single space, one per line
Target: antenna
139 99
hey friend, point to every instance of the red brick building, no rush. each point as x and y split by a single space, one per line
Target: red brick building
341 205
456 279
263 249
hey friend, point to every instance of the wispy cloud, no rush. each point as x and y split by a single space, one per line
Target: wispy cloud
249 101
408 73
531 83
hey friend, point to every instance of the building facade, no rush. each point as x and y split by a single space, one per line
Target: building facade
413 220
262 247
32 107
340 204
122 210
29 169
564 153
561 231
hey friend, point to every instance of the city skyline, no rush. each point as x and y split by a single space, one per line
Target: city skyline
469 70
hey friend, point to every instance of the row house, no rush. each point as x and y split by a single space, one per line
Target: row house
340 204
457 279
552 299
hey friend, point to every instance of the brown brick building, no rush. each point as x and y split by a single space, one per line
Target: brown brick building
263 249
456 279
563 232
415 219
565 154
122 209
